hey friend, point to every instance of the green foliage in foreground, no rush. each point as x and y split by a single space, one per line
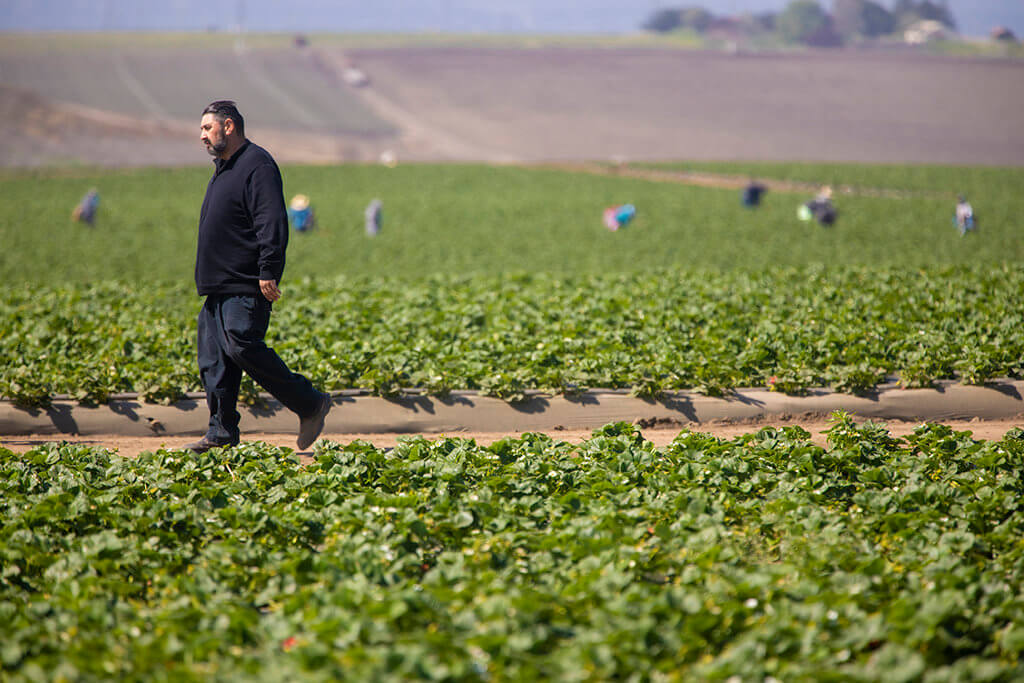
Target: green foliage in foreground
479 219
790 329
875 560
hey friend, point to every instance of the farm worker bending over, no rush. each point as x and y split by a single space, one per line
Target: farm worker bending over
300 213
751 195
820 208
243 234
85 212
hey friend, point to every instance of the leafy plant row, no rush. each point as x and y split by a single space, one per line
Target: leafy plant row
530 559
790 329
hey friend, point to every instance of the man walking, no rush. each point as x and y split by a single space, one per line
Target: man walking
243 234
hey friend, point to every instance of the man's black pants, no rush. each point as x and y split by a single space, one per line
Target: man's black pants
231 331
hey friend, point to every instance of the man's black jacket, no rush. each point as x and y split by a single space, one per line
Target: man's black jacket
243 225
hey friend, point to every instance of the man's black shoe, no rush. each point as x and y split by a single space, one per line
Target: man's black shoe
310 427
205 444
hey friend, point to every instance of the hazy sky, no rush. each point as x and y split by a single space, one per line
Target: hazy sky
975 17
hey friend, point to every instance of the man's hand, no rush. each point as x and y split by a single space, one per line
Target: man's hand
270 291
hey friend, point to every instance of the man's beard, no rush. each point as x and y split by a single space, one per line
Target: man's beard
215 148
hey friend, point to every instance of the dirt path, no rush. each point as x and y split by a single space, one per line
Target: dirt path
988 430
727 181
417 135
131 425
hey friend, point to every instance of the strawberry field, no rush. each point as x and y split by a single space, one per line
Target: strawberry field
764 557
503 280
791 329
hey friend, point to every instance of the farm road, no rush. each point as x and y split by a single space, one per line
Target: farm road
997 407
726 181
418 138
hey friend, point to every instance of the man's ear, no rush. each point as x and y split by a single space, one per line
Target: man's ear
229 126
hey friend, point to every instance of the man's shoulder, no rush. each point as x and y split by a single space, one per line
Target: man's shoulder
257 161
256 155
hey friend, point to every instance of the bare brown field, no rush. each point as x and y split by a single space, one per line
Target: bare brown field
40 131
669 104
504 104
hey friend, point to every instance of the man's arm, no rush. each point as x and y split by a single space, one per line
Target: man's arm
265 198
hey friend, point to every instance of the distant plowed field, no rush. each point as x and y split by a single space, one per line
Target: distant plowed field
599 103
508 103
284 87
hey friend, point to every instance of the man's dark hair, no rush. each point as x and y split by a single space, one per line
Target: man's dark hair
226 109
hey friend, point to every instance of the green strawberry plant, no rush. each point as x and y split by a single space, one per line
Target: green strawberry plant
763 556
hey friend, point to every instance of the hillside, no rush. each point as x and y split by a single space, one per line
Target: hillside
75 99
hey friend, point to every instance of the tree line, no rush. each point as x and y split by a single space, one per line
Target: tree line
807 22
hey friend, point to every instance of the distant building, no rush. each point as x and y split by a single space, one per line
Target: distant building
730 29
926 31
1003 35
